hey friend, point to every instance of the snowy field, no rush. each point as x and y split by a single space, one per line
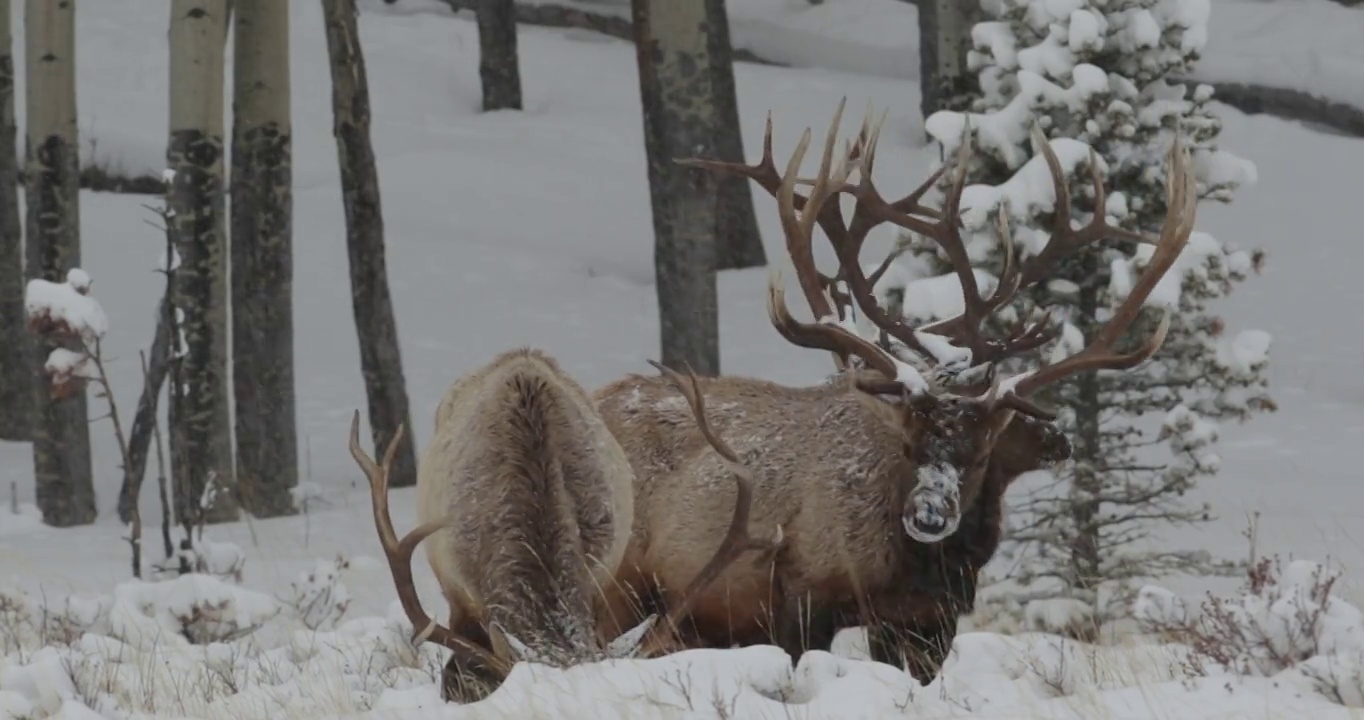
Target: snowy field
534 228
1306 45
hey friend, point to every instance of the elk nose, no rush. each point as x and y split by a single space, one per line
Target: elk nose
933 524
931 519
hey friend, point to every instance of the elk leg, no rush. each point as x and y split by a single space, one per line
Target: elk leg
919 646
466 677
799 627
625 601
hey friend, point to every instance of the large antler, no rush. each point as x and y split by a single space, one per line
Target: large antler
799 215
399 554
1181 199
737 540
814 210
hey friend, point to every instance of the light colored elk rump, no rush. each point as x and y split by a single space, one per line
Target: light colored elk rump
527 500
538 498
887 482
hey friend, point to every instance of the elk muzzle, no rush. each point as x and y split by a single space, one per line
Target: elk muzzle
933 509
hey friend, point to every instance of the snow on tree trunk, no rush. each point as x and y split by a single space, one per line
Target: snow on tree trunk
739 244
1096 72
61 433
672 46
16 369
262 259
498 65
201 432
380 360
944 40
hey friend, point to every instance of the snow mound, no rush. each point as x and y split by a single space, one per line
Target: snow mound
197 646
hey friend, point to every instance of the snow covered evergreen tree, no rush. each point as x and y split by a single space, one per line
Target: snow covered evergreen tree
1095 74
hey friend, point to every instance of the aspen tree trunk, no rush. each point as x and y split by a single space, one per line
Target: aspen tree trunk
672 45
380 360
944 39
498 65
201 434
61 433
262 259
739 245
16 363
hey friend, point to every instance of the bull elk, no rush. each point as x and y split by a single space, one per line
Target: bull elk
527 500
886 482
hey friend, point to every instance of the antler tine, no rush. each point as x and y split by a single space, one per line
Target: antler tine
847 239
737 539
799 231
1182 197
966 327
399 553
827 215
822 336
872 210
378 484
1064 239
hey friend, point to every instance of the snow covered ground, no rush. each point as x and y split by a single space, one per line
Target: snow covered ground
534 228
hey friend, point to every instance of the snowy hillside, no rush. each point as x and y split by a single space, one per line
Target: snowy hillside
1305 45
534 228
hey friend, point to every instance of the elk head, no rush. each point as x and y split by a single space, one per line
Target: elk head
938 385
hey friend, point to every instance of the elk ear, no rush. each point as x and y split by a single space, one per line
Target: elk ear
888 400
1053 444
629 641
888 409
1029 444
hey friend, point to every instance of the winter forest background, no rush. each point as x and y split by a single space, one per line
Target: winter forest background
227 224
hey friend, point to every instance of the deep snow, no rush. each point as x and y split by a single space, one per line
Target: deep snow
534 228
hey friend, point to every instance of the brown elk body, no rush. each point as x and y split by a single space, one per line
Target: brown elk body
886 483
527 500
830 479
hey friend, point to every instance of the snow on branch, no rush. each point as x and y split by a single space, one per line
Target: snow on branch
1004 133
65 308
67 311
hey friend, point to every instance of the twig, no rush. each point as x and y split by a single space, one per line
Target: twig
96 356
308 475
145 418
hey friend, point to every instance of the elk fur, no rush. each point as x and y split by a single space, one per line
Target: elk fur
537 500
832 468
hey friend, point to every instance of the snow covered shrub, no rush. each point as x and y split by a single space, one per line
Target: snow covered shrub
1062 616
66 310
27 622
200 608
319 596
223 560
1283 618
1092 76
